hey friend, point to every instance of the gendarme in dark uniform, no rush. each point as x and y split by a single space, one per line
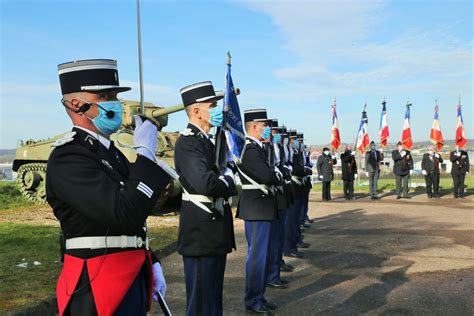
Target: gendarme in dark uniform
205 235
349 172
257 207
326 173
402 168
102 200
460 167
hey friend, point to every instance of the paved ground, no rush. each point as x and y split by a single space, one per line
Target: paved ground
388 257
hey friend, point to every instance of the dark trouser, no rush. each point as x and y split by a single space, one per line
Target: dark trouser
432 181
258 234
292 226
373 179
304 209
458 181
274 258
82 302
326 190
348 186
204 278
402 185
282 214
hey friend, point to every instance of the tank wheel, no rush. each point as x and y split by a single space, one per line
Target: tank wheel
31 182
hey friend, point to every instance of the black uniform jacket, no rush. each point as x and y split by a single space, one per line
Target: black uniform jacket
325 167
201 233
309 172
372 160
460 164
95 191
349 166
402 165
299 171
255 205
430 163
283 192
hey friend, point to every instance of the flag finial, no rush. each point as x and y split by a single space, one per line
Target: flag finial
228 58
408 103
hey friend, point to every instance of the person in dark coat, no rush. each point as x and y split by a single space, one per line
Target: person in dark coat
257 207
205 235
282 194
459 170
325 165
402 168
431 170
349 172
102 200
373 158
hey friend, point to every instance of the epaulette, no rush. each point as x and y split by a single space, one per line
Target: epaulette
187 132
67 138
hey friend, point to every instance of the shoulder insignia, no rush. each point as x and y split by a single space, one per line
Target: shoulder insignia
67 138
107 164
187 132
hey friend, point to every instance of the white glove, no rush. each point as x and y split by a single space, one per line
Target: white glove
278 173
424 172
320 176
159 283
353 153
145 137
381 150
411 171
403 153
437 155
333 156
467 172
367 174
356 176
408 156
458 154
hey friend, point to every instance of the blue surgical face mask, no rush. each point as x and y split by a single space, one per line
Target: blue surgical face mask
105 124
296 145
277 138
216 116
326 152
266 132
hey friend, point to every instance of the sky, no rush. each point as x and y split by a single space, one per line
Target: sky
290 57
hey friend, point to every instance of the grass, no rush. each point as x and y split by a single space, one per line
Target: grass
388 184
10 196
33 284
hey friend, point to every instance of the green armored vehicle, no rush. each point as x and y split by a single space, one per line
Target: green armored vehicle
32 156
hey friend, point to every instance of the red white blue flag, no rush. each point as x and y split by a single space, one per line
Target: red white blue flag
383 131
461 139
436 137
335 138
363 134
406 134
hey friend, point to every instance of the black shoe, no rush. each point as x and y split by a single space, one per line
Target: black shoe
376 198
270 306
295 254
372 198
430 196
311 221
306 225
285 269
260 310
276 285
287 265
303 244
284 281
398 197
462 197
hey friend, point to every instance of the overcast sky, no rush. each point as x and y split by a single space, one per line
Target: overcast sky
291 57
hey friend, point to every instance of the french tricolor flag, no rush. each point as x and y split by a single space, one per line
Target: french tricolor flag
406 134
436 137
384 133
335 138
461 140
363 134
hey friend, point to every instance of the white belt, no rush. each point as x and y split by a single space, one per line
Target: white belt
296 180
196 197
254 186
97 242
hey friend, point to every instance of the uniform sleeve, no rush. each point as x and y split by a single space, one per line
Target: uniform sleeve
76 178
298 167
366 161
440 159
258 169
381 156
452 157
319 165
423 163
396 155
195 170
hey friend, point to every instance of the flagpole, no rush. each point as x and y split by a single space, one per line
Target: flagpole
142 104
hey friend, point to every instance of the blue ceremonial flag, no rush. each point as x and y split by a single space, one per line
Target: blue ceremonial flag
234 124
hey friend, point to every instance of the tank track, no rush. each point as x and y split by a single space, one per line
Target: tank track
31 180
